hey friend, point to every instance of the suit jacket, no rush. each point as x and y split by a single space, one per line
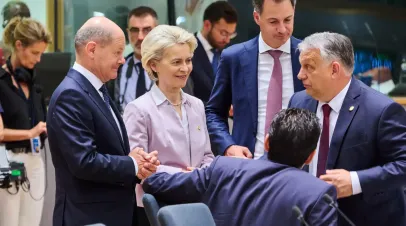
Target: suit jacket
371 140
202 74
94 175
236 83
248 192
156 126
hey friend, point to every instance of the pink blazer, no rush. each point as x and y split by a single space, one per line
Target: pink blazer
153 124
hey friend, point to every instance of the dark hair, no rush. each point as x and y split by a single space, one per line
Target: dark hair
259 4
14 9
293 136
220 10
141 12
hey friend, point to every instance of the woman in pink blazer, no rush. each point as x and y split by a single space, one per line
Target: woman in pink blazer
166 119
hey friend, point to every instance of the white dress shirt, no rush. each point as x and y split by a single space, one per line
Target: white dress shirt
97 84
206 46
129 94
335 105
265 68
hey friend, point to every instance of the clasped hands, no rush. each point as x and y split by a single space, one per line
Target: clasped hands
147 162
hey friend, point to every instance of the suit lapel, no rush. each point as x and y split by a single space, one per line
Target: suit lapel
201 56
97 99
294 53
125 141
249 64
347 112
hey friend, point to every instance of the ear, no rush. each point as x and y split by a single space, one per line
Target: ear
153 66
310 158
336 67
266 143
18 45
90 49
207 25
256 17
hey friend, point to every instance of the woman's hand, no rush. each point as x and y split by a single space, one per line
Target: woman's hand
38 129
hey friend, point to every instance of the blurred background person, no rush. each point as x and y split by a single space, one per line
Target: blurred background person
166 119
9 11
1 124
219 24
257 78
24 117
132 80
262 192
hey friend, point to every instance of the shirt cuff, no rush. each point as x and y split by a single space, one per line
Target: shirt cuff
356 186
135 165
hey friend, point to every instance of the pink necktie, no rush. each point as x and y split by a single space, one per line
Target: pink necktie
274 98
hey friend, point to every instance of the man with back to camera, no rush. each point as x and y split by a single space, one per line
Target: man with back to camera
262 192
362 148
94 168
132 80
219 24
257 78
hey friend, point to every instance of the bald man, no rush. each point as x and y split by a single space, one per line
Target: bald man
95 170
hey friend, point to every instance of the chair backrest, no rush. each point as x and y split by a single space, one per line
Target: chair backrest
195 214
151 207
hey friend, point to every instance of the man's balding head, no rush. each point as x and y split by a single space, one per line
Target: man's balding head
99 45
97 29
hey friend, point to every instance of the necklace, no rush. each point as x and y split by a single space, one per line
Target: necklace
176 104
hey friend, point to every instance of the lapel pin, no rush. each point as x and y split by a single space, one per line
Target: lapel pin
351 108
198 128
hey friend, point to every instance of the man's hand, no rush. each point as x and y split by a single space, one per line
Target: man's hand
238 151
231 111
147 163
341 179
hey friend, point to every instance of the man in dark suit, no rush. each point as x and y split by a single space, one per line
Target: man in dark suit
219 24
258 192
362 148
94 168
132 80
257 78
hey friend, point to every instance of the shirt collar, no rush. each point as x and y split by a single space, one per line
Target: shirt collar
93 79
159 97
205 43
263 47
338 100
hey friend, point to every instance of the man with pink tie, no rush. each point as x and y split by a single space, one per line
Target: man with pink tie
257 78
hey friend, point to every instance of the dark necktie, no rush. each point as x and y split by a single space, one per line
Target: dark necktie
141 89
106 98
215 61
274 96
324 141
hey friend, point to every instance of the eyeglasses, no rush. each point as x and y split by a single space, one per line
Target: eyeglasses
136 30
225 33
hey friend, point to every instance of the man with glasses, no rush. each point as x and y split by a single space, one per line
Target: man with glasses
132 80
219 24
257 78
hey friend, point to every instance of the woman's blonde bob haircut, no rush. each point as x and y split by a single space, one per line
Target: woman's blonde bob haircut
158 40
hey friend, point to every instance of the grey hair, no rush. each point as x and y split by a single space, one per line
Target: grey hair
332 46
161 38
97 34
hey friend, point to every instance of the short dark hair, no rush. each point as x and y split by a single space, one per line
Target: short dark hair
220 10
142 11
293 136
14 9
259 4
